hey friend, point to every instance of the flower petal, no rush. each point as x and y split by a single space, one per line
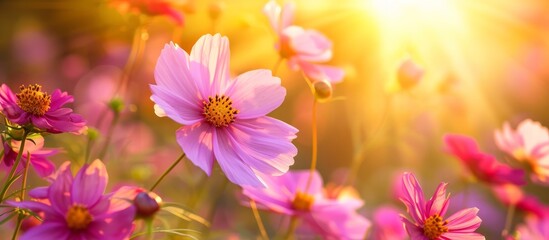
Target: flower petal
183 111
465 220
464 236
415 232
438 204
47 231
89 184
232 165
320 72
59 192
197 143
212 72
256 93
412 197
264 144
173 72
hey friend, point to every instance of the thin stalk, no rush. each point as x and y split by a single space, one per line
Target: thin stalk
314 150
109 135
24 184
140 37
258 220
167 171
17 227
14 167
508 220
291 229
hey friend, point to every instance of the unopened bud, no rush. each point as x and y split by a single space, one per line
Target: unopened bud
116 105
323 89
146 204
92 133
409 74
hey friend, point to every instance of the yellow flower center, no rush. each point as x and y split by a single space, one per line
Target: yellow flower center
434 227
302 201
32 100
218 111
78 217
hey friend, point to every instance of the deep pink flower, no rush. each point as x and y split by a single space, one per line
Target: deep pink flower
529 144
78 208
510 194
483 166
304 49
225 118
151 8
534 228
38 155
427 217
332 218
43 111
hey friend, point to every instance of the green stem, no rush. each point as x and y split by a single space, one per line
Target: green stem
17 227
258 221
14 167
109 135
508 220
314 150
167 171
291 229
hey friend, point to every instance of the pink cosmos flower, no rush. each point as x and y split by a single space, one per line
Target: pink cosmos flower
38 155
529 144
427 217
78 208
152 8
225 118
332 218
304 49
388 224
510 194
534 228
409 73
483 166
43 111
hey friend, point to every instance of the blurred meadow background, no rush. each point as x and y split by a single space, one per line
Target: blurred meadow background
482 63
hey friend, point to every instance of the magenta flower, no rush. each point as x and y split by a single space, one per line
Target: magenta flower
332 218
38 155
427 217
529 144
43 111
483 166
78 208
225 119
304 49
151 8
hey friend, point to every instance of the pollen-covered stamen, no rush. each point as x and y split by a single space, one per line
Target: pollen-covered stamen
434 227
78 217
302 201
219 111
32 100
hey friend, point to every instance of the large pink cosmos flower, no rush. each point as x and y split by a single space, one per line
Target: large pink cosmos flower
427 217
225 119
45 112
528 144
78 208
304 49
332 218
483 166
38 155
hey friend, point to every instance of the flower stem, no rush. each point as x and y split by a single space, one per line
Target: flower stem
14 167
167 171
140 38
314 150
109 136
258 220
291 229
17 227
508 220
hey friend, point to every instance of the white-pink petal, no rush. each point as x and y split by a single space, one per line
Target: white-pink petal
256 93
212 54
197 143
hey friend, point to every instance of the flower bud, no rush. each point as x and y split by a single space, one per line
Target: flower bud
323 89
146 204
409 74
92 133
116 105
